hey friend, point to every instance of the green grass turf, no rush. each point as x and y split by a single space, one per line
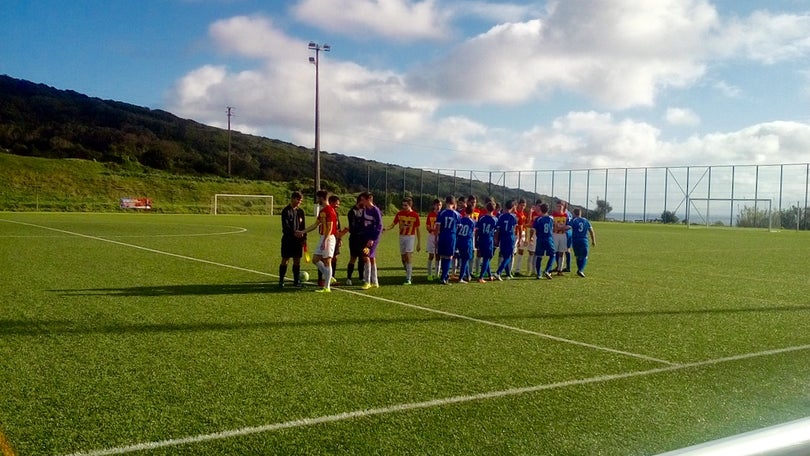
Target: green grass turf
104 345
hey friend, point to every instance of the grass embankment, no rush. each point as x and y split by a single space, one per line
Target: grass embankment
43 184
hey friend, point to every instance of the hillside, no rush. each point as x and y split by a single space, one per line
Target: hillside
40 121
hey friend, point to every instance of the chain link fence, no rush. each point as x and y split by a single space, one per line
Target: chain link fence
644 194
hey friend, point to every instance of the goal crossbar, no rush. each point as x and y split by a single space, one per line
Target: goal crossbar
690 206
235 195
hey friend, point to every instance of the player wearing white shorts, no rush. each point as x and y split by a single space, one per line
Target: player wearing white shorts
560 235
408 221
433 240
531 243
327 227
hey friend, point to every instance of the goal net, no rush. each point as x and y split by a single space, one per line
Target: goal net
229 203
734 212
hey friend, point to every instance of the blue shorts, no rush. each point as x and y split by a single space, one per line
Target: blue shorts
446 247
581 247
545 249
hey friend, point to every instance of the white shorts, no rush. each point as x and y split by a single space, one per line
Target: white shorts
531 245
560 242
432 243
407 244
328 250
521 240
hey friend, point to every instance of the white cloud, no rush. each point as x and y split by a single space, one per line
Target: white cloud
620 55
278 96
394 19
495 12
682 117
765 37
728 90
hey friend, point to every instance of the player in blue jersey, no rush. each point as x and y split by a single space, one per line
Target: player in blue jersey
464 246
505 239
485 240
446 226
542 231
580 230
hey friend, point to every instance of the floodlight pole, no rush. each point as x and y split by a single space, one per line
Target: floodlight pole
315 60
230 113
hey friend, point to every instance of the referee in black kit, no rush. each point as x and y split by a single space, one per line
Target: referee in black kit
292 245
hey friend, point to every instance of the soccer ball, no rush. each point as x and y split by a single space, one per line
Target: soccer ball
303 276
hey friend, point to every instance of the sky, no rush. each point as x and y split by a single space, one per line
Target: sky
453 84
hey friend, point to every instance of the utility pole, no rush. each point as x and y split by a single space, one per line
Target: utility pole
229 111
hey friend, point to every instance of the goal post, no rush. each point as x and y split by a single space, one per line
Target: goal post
241 204
739 212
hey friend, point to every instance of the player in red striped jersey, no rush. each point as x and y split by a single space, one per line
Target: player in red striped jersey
430 222
409 234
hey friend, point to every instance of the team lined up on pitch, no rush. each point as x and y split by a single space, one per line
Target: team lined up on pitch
461 244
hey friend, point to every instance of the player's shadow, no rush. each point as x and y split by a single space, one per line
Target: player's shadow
185 290
60 327
35 327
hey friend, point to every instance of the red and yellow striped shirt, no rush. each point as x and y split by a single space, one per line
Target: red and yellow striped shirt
408 222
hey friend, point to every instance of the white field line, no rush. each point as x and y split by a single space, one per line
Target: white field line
359 414
515 329
378 298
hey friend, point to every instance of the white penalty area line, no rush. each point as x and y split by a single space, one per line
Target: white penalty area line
378 298
360 414
516 329
147 249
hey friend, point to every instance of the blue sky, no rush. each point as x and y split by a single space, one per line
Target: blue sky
484 85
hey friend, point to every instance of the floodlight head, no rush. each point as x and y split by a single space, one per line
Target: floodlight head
326 47
312 45
312 60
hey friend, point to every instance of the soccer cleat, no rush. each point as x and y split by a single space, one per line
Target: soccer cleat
333 281
407 282
375 285
559 273
497 277
481 280
462 281
581 274
538 276
431 278
547 275
349 282
281 284
510 277
444 282
365 286
567 270
323 290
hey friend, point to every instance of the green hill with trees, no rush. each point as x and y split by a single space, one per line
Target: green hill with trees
127 150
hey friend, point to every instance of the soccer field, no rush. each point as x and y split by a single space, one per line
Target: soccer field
165 334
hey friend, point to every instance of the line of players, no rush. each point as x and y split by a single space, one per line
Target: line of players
458 240
472 234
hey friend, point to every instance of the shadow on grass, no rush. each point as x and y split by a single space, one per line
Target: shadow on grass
39 328
188 290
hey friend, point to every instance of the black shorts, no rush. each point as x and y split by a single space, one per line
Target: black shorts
356 244
292 247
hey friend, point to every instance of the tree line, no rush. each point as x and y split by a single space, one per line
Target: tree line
41 121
